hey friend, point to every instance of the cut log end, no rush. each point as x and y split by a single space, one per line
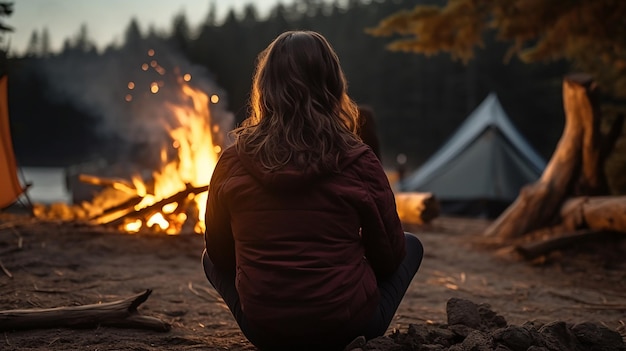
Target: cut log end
417 208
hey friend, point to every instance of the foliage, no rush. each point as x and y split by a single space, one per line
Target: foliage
591 34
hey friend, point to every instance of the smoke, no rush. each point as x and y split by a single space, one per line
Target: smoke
128 91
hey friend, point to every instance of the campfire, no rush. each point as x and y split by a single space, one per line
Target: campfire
173 198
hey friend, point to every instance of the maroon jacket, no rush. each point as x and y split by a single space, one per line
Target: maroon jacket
307 247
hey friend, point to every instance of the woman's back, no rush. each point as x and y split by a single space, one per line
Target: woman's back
301 264
301 225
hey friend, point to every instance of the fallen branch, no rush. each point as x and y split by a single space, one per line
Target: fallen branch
5 270
581 219
595 212
544 246
213 296
588 304
121 314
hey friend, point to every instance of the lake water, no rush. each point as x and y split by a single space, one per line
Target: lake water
48 184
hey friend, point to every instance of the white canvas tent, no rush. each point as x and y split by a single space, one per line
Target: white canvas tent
481 168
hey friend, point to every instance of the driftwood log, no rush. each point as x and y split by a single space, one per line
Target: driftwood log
561 240
416 207
575 169
581 219
121 314
595 213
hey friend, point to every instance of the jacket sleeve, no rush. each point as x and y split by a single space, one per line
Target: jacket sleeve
218 236
381 230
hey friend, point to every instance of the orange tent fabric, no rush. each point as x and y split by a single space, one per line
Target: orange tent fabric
10 187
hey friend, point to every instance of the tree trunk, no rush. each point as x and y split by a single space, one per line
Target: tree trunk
122 314
574 166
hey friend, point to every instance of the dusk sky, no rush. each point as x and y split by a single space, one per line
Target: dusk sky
107 19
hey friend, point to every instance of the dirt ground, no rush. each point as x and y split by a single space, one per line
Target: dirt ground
46 265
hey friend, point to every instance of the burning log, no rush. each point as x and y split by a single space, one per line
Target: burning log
121 314
119 184
116 211
416 207
147 211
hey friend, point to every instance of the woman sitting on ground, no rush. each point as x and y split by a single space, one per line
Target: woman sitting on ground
303 240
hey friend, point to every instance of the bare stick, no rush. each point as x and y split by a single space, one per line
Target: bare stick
5 270
121 314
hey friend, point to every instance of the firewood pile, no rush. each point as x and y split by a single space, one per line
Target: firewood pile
121 205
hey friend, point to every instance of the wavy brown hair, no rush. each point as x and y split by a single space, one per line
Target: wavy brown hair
299 110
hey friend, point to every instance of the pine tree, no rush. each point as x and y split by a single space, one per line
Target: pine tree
6 9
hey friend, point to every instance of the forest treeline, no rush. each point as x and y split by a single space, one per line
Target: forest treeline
418 100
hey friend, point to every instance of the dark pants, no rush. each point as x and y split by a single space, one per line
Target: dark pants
392 291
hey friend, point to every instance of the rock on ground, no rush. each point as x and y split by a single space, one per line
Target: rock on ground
475 327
